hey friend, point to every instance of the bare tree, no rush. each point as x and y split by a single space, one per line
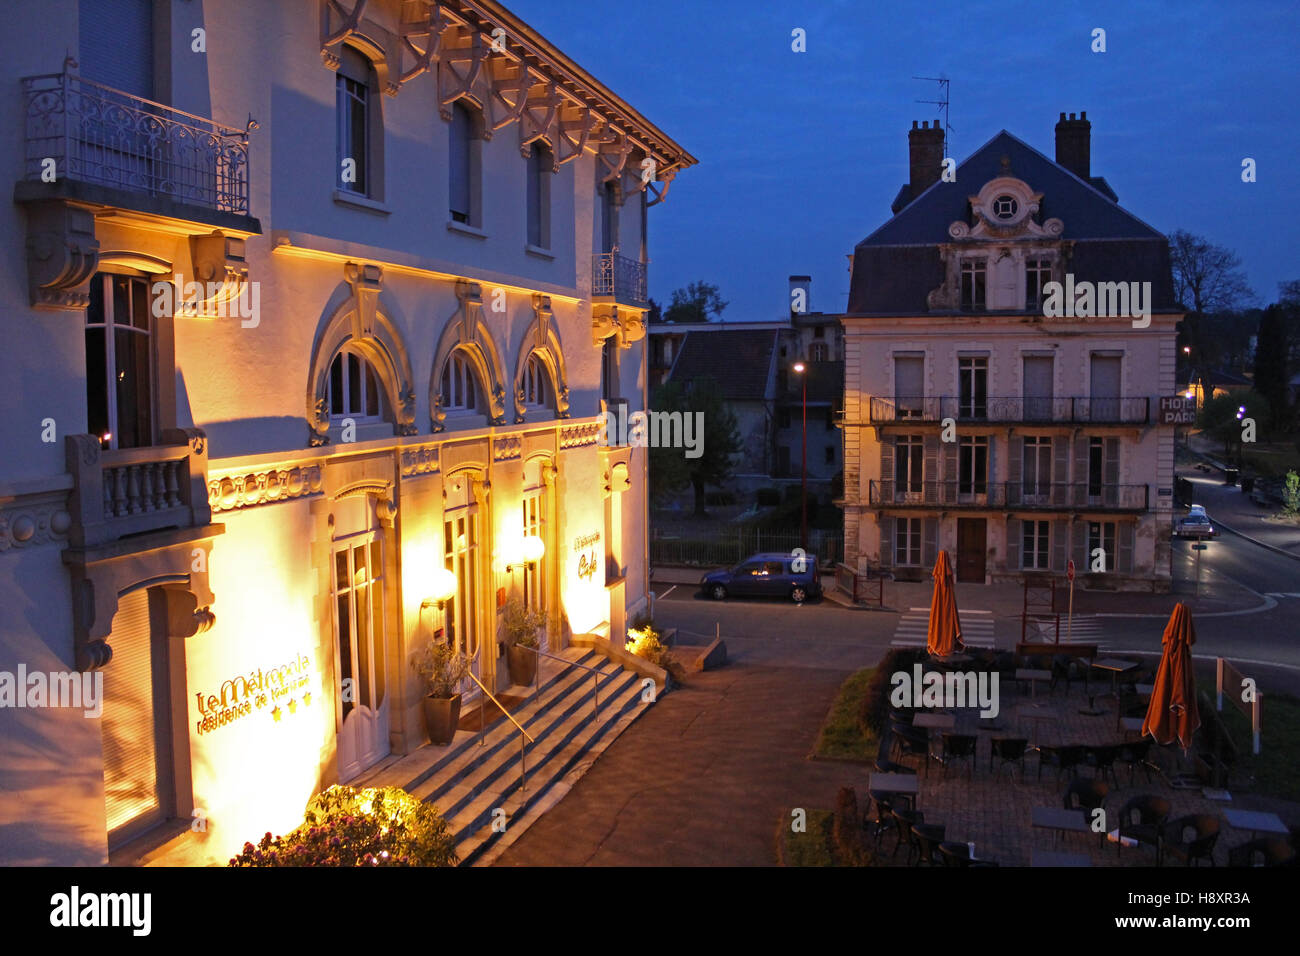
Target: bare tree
1208 281
1207 278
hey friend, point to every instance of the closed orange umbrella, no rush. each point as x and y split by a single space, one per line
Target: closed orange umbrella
1172 713
943 637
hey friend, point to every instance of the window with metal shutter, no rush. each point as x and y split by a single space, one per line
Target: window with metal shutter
130 724
116 44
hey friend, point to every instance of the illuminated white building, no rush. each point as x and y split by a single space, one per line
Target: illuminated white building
416 235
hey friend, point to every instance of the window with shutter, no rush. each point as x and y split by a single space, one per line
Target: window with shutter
1061 470
464 166
1013 543
909 385
115 45
1060 544
886 542
1124 561
931 552
134 724
539 196
887 468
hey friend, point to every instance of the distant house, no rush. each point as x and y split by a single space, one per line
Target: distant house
993 407
754 364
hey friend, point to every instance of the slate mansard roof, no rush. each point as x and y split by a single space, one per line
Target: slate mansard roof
897 266
740 361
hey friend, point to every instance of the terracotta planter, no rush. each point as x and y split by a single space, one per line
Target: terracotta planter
522 664
441 717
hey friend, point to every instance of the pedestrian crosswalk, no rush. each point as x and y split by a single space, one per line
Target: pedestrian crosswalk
1087 629
976 628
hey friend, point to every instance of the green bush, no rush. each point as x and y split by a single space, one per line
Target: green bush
875 705
344 826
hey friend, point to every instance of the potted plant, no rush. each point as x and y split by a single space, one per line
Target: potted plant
521 625
442 668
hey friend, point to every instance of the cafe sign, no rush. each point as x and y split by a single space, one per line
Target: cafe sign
585 548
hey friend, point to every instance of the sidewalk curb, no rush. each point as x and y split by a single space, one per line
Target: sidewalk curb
1262 544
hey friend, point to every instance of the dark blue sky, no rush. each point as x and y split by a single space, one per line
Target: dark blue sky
802 153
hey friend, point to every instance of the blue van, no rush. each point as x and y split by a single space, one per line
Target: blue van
765 575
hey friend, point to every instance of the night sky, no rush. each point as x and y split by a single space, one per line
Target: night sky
802 153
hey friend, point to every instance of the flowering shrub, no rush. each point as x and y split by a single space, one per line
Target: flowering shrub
344 826
645 643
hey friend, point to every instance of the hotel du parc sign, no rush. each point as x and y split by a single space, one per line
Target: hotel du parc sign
277 688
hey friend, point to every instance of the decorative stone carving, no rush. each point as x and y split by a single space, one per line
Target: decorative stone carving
360 321
365 281
421 35
460 45
31 521
467 332
507 448
338 23
1004 209
536 120
219 269
542 339
580 435
62 255
604 323
419 461
232 492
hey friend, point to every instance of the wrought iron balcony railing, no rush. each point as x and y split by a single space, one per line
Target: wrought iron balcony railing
97 134
618 277
1073 411
1018 495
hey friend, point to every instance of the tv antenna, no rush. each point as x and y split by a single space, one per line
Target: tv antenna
945 85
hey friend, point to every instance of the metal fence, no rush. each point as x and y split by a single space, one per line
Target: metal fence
618 276
97 134
1133 410
729 547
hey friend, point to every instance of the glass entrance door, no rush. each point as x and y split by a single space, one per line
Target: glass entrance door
361 647
460 545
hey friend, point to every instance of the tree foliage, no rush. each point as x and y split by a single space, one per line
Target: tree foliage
1218 417
695 303
1270 363
670 470
1211 286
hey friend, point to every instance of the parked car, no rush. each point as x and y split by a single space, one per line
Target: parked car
770 575
1195 524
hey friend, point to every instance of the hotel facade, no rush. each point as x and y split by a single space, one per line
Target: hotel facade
1009 339
312 312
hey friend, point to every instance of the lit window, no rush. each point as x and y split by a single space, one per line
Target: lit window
459 390
354 390
119 361
534 387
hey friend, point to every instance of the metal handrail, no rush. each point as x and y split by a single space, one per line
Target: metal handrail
537 677
482 725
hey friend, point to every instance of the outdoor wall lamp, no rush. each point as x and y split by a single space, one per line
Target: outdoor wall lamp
444 588
531 550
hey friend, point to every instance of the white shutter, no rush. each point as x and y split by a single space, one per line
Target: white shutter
886 542
1014 531
129 725
887 486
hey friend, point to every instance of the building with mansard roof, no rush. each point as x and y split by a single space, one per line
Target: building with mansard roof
1008 341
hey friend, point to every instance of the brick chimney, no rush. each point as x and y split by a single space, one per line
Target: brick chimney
925 155
1074 145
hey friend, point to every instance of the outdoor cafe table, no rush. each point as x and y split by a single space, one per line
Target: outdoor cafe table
1050 858
1255 821
935 721
1116 667
895 783
1036 713
1059 820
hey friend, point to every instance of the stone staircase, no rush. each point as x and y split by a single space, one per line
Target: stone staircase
469 783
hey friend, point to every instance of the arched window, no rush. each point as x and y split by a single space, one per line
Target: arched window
537 393
354 389
459 388
359 128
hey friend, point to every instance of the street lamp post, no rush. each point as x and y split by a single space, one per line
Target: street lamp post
801 368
